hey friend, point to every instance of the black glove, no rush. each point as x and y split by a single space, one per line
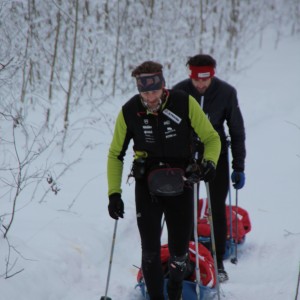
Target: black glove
193 173
116 206
208 169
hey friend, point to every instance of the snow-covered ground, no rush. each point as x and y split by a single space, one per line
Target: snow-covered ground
63 253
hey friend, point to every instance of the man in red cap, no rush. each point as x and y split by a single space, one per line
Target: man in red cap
219 101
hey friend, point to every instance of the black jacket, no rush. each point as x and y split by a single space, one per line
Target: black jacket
220 104
165 136
162 136
157 134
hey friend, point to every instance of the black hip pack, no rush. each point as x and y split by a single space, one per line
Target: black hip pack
166 182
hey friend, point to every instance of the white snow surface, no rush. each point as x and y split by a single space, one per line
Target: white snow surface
63 254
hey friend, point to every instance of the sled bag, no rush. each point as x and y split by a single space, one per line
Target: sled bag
240 220
206 265
166 182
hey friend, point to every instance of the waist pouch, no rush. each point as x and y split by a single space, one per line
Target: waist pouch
166 182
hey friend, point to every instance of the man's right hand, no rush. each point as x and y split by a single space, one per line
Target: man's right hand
116 206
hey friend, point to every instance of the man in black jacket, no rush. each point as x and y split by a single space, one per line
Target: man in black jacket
161 124
219 101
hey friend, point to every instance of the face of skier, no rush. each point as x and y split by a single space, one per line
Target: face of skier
152 99
201 84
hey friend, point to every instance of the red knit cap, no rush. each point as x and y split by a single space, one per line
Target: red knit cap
201 72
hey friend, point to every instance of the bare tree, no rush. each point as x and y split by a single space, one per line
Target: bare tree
202 24
54 59
17 171
71 75
233 28
117 47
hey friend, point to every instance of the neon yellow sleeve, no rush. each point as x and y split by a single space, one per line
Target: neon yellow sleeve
205 131
115 158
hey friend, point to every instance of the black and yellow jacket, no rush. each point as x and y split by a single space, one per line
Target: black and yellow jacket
165 136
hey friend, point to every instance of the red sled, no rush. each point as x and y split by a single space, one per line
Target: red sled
241 225
207 274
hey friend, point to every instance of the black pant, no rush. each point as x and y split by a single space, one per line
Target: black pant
218 193
178 213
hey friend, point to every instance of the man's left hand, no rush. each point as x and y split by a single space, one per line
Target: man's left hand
238 179
208 170
193 173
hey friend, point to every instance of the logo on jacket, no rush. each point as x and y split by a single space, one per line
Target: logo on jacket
170 132
148 132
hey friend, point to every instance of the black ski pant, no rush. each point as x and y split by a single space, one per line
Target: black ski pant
178 212
218 193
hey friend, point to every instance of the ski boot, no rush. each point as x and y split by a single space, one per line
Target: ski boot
222 274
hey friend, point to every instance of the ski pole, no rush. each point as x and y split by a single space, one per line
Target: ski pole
110 262
213 242
234 260
298 283
197 269
231 239
228 143
162 226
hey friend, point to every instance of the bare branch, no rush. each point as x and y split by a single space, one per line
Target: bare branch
67 167
294 124
289 233
23 158
3 66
